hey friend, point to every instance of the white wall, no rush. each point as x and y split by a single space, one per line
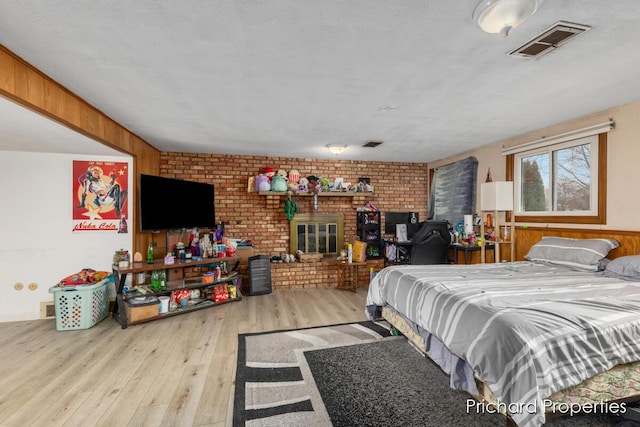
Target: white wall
37 244
623 152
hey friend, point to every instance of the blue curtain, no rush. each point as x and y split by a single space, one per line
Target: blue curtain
453 191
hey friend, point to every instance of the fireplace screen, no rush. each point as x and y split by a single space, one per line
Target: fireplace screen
321 233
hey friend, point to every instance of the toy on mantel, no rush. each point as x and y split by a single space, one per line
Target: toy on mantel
303 185
278 183
262 183
269 172
325 184
314 184
294 178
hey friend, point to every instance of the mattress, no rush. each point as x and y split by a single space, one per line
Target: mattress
526 330
618 383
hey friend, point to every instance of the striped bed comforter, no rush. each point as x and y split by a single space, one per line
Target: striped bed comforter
527 330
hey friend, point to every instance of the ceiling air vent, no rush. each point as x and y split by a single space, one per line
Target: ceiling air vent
372 144
550 40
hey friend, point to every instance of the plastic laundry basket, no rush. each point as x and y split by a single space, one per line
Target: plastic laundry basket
81 307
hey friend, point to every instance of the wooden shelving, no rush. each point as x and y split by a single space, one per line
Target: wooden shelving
321 194
120 277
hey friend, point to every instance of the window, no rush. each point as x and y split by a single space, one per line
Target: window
563 182
558 180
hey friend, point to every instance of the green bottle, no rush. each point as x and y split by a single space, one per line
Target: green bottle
155 281
150 253
163 280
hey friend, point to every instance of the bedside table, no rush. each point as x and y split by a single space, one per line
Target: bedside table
467 250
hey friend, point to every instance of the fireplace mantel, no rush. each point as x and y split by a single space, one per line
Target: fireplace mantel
321 194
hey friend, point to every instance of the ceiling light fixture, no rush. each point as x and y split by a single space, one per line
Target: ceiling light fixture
387 108
336 148
501 16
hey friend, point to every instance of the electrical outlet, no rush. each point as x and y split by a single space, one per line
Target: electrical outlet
33 286
18 286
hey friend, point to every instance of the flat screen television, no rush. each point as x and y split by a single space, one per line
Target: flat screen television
172 204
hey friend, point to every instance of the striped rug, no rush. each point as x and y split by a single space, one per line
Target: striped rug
274 385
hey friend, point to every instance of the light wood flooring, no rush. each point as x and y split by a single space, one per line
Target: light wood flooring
178 371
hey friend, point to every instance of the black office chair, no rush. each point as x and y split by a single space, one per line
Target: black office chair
431 243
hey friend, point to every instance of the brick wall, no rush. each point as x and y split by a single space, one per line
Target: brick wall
398 187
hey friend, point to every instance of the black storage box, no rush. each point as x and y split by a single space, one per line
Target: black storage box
259 275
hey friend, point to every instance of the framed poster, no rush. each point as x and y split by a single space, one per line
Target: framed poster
100 195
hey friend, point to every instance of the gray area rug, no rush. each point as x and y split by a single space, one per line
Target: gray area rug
274 386
354 375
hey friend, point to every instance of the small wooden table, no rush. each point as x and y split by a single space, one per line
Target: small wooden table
348 275
468 249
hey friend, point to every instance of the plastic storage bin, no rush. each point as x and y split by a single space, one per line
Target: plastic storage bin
81 307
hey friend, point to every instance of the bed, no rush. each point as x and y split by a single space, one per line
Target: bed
525 334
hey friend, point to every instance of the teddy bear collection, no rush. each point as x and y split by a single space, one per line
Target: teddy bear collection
281 181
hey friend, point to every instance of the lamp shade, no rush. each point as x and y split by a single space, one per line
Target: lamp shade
496 196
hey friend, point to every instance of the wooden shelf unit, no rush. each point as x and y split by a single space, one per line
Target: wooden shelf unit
496 197
498 233
120 278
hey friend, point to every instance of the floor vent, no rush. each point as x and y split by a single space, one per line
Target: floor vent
47 310
551 39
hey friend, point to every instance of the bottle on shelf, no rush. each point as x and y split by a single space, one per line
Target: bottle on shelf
150 253
163 280
155 280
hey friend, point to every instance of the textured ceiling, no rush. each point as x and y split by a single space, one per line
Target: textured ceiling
287 77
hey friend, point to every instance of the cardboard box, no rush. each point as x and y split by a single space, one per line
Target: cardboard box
243 253
137 313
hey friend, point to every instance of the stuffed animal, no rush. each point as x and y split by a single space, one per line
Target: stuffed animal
314 185
303 185
282 173
269 172
294 176
278 183
262 183
324 184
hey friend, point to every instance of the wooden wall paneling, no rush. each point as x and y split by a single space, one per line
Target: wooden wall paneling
53 102
7 81
629 241
602 178
21 83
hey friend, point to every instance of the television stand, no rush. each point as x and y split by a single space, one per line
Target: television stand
179 279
